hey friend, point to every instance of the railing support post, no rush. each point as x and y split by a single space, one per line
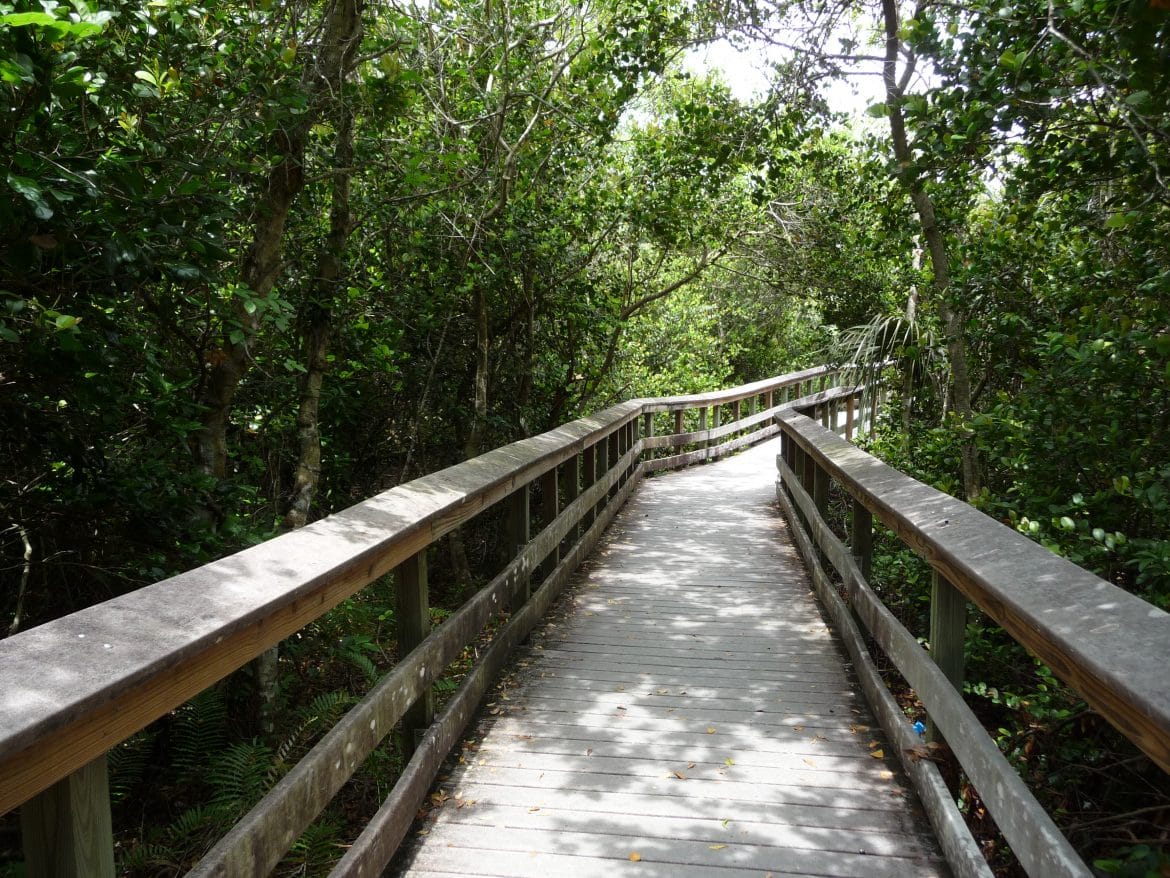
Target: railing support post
703 425
601 469
550 507
861 538
67 830
571 482
948 631
768 397
820 488
617 447
849 404
716 419
519 532
414 624
588 477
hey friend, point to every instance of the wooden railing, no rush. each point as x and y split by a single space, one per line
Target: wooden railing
1110 646
74 688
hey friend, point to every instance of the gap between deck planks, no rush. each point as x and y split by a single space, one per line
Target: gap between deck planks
684 711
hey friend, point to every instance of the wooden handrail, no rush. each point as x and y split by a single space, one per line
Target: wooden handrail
1107 644
73 688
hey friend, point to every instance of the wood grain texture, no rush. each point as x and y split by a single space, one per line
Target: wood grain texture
686 703
1107 644
1029 830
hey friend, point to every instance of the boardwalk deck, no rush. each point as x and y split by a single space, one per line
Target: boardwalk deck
686 712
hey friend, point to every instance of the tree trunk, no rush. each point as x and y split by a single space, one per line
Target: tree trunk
226 367
317 328
324 81
936 247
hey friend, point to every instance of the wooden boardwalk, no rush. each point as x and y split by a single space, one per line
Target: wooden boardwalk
685 712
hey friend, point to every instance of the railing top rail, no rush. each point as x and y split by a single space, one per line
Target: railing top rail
78 685
731 394
1109 645
75 687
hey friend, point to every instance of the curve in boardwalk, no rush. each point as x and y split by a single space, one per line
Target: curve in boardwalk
686 713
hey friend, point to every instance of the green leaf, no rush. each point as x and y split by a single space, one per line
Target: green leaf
66 321
26 19
878 111
32 193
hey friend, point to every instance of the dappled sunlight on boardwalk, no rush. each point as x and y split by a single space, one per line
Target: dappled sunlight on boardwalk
685 712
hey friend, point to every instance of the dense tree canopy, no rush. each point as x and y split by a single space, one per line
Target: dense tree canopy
261 260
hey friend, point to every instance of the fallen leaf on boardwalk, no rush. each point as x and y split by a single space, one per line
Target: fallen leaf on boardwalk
716 847
663 691
619 688
878 754
690 765
589 752
726 821
635 857
463 803
534 809
872 744
931 751
886 775
710 730
855 729
816 738
798 728
729 761
809 762
679 775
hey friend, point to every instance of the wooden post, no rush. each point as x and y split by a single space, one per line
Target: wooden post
768 397
678 422
820 491
873 408
716 418
849 403
617 443
519 532
600 471
703 425
861 538
550 507
948 631
754 404
66 830
735 409
414 624
827 415
571 484
588 477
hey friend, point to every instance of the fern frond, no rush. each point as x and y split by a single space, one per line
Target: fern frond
240 776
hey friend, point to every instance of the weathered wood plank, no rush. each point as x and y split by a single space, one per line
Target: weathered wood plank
1110 646
613 705
1031 832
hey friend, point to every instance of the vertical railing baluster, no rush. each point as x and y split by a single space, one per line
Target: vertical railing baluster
519 532
849 426
414 624
948 632
716 420
571 485
588 478
861 538
550 507
66 830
